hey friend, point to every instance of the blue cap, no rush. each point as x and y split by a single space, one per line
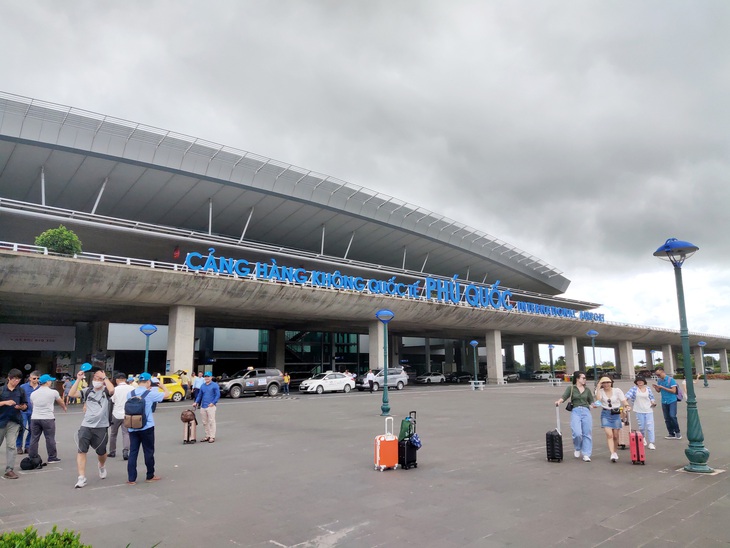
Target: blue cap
145 377
208 374
86 366
46 378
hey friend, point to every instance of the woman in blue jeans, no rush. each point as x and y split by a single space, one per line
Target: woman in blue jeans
581 422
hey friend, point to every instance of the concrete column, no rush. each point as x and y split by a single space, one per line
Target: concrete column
427 353
469 364
495 373
84 345
377 340
572 363
669 360
395 345
723 360
699 360
509 357
448 356
648 358
531 350
275 357
181 338
625 363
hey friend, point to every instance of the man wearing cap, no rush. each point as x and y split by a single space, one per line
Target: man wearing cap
12 402
121 390
43 419
145 436
94 429
27 387
208 396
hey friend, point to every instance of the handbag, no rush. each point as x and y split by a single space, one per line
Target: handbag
569 407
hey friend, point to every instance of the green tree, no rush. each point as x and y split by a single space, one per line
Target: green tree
60 240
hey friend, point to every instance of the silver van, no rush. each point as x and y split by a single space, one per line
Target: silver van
397 378
249 382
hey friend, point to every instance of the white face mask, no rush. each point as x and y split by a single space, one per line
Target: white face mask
98 384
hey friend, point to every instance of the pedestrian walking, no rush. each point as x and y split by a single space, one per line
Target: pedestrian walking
43 419
287 380
208 396
643 402
94 429
119 398
145 436
370 378
185 382
12 402
28 387
611 400
668 387
581 422
197 383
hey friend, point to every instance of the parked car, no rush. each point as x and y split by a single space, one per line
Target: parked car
397 378
709 370
458 376
297 377
251 382
328 382
541 376
428 378
174 386
511 377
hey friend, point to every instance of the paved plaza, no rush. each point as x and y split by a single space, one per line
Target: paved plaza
298 472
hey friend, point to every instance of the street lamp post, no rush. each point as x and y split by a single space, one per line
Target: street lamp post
702 345
676 252
147 329
593 334
552 366
474 345
385 316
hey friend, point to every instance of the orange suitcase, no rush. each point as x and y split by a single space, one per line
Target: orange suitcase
386 448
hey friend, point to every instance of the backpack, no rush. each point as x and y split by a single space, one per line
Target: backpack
134 411
680 394
32 463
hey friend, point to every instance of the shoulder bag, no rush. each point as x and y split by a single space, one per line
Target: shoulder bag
569 407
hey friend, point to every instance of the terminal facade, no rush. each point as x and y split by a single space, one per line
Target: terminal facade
241 259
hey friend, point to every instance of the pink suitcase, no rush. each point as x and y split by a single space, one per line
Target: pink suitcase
386 448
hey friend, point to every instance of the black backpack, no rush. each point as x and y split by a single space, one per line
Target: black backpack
134 411
32 463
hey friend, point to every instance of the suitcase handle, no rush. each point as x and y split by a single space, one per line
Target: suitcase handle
386 426
557 418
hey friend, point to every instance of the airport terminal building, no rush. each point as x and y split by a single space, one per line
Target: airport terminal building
240 260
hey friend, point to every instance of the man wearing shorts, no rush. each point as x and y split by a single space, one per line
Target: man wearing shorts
95 426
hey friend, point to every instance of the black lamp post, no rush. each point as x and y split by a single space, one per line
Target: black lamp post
593 334
385 316
676 252
702 345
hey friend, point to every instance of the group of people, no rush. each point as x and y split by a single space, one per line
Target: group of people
29 408
615 405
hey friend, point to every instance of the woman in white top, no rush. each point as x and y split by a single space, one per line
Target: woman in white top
642 400
611 400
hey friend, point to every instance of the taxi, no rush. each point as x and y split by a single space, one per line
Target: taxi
174 387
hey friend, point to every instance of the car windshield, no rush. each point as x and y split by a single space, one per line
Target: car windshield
239 374
320 376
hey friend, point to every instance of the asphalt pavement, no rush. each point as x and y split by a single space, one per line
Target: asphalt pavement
298 471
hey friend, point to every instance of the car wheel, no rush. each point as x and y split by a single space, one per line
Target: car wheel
273 389
399 386
428 381
177 396
458 380
235 392
346 389
376 387
320 389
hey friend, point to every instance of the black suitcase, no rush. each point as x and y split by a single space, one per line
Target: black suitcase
407 451
554 441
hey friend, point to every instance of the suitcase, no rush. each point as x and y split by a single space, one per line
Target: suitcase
554 441
406 451
386 448
189 431
624 435
636 442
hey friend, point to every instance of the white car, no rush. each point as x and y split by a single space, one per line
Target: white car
428 378
328 382
541 376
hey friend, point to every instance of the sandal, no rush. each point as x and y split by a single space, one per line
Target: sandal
211 440
204 440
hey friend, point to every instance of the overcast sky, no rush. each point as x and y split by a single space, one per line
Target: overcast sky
586 133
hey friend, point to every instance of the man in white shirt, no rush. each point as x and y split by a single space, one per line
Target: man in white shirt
370 379
43 418
118 399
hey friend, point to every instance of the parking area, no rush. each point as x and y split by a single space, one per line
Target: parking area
298 471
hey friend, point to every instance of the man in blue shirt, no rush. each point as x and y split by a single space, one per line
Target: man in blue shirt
207 398
29 387
144 436
197 383
668 388
12 402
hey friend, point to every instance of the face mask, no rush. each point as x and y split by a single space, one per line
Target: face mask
98 384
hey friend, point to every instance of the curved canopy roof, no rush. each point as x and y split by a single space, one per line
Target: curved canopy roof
108 169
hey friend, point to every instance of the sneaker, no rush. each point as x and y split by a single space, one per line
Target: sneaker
576 454
586 458
102 472
614 457
54 459
112 454
20 450
670 437
678 436
652 446
81 483
125 454
644 442
10 475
